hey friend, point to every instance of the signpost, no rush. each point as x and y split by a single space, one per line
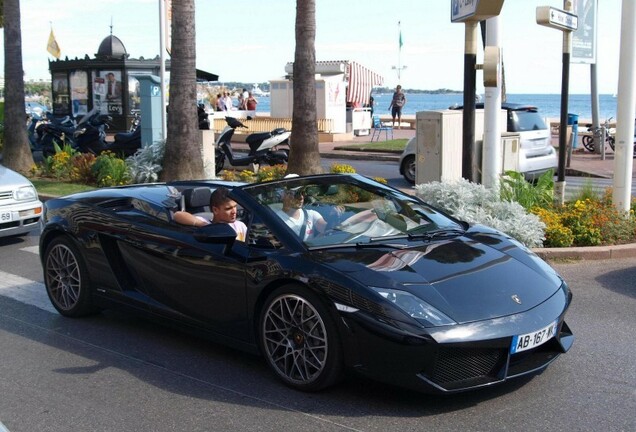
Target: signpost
566 22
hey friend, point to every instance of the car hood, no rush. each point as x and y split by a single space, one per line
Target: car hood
10 179
471 278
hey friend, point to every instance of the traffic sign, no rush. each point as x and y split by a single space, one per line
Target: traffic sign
556 18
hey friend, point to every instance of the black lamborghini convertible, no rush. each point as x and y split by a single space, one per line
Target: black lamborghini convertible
390 287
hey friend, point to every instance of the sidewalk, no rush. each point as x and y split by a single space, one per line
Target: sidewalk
582 162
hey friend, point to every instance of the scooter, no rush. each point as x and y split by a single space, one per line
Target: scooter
263 147
90 137
50 131
204 121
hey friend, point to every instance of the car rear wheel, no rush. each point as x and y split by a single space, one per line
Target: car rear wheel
299 339
408 169
66 279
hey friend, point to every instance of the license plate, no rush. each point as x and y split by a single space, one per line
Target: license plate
531 340
5 216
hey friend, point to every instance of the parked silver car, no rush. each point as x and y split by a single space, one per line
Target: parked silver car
20 208
535 154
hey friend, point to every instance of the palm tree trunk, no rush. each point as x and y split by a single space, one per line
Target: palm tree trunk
305 156
17 153
183 158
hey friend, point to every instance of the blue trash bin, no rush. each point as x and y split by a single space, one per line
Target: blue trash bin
573 120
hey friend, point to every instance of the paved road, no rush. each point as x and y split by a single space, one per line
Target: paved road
116 372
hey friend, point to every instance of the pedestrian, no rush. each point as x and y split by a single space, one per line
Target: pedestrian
227 101
243 99
397 103
220 105
251 102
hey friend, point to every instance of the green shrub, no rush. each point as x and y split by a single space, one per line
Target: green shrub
514 187
109 170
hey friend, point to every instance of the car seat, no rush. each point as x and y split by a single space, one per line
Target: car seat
197 202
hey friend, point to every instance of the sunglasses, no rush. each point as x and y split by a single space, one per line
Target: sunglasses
295 194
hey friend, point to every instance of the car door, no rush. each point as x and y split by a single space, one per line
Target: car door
200 283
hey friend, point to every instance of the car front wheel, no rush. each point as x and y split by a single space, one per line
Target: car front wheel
408 169
66 279
299 339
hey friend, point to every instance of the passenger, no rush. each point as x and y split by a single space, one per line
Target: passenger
224 211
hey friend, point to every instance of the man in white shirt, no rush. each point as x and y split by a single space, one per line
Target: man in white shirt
296 217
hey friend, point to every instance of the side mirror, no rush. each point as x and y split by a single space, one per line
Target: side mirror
216 233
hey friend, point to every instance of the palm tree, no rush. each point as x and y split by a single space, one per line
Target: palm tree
17 154
183 157
305 156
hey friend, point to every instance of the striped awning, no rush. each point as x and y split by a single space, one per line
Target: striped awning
361 82
360 79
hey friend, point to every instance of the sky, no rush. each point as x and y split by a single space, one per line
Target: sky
252 40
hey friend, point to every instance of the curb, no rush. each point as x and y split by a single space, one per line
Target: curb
361 156
588 252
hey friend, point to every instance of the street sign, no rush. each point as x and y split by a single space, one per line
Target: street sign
556 18
474 10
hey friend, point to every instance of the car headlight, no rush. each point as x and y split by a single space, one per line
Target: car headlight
415 307
26 193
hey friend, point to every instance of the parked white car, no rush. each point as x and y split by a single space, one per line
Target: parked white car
20 208
536 154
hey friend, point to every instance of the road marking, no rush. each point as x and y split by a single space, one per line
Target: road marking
3 428
32 249
25 291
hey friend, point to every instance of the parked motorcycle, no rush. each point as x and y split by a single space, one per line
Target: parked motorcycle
263 147
90 136
50 131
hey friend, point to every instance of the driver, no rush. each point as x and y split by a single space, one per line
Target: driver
297 217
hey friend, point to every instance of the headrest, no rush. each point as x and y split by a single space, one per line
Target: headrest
197 197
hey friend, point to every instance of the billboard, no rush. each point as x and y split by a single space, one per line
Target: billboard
584 38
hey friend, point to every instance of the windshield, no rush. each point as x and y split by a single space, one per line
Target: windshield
342 210
523 121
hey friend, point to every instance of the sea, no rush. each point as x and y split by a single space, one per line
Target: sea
549 104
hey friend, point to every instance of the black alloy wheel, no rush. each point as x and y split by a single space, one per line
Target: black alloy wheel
66 279
299 339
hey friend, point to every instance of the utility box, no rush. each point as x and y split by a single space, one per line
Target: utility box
439 146
440 143
510 142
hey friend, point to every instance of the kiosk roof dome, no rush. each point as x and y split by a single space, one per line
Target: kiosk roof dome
111 47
